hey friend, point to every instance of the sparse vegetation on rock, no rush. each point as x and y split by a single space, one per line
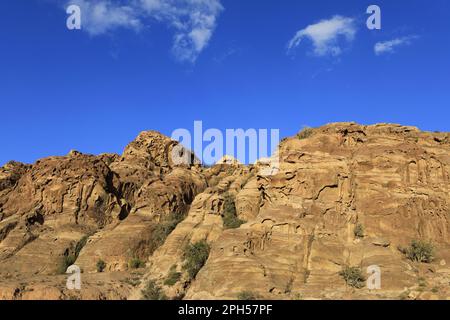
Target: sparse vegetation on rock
230 219
101 265
67 261
246 295
353 277
173 276
161 230
153 291
420 251
80 245
195 255
301 221
359 231
136 263
305 133
71 256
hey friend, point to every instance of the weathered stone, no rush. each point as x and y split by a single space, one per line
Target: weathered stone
296 235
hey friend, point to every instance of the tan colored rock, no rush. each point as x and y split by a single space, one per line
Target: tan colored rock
392 179
298 231
77 189
10 173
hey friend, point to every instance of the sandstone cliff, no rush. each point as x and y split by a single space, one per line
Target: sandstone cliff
345 196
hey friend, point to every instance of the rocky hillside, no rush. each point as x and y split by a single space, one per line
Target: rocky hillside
138 225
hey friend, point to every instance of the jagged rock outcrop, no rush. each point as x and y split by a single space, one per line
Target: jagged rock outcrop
393 180
84 208
10 173
78 189
287 235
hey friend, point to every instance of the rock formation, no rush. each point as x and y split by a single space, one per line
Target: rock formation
344 196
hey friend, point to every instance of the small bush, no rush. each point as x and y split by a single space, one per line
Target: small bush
173 276
136 263
246 295
66 262
155 235
359 231
80 245
305 133
353 277
158 235
101 265
132 281
230 219
195 256
420 251
153 292
71 256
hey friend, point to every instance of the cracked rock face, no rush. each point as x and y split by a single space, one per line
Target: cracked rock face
137 212
74 189
392 180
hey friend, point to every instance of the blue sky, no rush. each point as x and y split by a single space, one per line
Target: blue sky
161 64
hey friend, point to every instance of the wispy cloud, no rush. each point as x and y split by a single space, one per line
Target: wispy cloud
326 35
390 46
99 17
193 21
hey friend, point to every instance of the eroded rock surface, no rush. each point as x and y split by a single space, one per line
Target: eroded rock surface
292 235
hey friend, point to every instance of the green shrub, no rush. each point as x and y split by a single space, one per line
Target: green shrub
67 261
246 295
195 255
230 219
71 256
132 281
420 251
101 265
157 236
359 231
80 245
172 277
154 236
353 277
136 263
305 133
153 292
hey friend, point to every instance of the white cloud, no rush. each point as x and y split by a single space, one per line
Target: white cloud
99 17
389 46
193 21
325 35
